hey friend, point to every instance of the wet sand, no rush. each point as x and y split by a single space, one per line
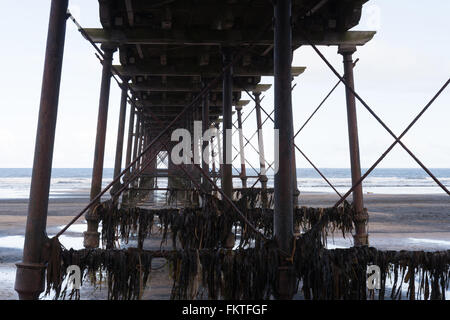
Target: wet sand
411 222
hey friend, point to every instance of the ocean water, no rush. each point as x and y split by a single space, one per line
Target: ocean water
75 182
380 181
65 182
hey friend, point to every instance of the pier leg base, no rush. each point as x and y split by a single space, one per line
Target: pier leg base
285 283
30 282
91 239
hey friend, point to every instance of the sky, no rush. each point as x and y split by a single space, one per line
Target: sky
399 71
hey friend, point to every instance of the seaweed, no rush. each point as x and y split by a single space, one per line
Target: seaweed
208 226
341 273
127 271
254 197
203 268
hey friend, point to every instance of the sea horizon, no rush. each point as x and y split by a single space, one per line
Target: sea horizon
75 182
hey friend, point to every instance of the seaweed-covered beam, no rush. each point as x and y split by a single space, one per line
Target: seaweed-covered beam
203 37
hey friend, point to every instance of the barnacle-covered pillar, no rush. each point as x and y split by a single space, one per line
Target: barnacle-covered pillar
360 220
120 136
30 272
92 236
283 210
243 174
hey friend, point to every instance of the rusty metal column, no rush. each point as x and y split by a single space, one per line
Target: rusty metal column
197 144
360 220
136 138
140 148
227 173
262 161
205 127
243 174
213 158
30 272
92 236
120 136
283 211
219 151
295 190
130 136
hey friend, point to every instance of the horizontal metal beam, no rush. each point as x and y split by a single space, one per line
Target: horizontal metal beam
175 110
182 103
180 69
206 37
194 88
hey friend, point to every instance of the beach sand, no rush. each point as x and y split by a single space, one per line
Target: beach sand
410 222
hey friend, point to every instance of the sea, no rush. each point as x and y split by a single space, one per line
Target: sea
75 182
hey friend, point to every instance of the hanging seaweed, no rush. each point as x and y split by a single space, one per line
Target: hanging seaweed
225 274
205 227
127 271
253 197
341 273
208 226
110 216
326 220
250 273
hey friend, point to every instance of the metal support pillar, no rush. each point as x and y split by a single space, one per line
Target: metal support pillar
283 210
30 272
140 148
243 174
262 162
213 159
361 236
219 151
198 145
130 136
120 137
227 173
205 127
295 190
136 142
92 236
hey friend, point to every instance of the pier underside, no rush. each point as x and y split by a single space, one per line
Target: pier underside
188 69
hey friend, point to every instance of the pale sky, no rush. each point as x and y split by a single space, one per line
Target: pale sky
398 73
